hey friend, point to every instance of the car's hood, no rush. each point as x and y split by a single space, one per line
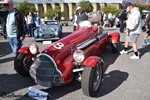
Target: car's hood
70 41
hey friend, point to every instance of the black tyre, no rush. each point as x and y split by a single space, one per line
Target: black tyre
115 47
22 64
91 80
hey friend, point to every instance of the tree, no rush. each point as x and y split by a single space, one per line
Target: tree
25 8
141 8
51 12
111 9
86 6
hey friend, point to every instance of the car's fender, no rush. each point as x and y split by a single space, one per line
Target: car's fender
25 50
92 61
114 37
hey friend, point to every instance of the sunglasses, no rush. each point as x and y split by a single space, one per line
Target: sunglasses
6 5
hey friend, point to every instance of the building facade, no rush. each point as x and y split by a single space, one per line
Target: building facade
67 6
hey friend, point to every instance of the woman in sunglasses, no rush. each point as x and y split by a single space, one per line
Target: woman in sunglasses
13 25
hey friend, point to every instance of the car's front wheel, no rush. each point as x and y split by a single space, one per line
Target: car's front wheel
91 80
22 64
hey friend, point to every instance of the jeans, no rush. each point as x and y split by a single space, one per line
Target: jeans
15 44
30 29
122 26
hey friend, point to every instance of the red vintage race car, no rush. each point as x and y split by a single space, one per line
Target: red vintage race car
76 53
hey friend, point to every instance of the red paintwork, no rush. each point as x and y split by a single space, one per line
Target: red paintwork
114 37
25 50
92 61
63 57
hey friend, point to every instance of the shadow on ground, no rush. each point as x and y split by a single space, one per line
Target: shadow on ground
8 83
5 49
112 81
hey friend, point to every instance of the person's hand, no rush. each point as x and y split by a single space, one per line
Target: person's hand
21 38
147 29
126 31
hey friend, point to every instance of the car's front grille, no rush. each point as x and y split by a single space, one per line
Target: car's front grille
45 72
47 35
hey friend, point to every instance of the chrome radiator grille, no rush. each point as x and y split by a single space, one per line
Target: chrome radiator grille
45 72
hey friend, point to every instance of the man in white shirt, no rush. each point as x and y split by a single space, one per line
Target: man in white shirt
133 29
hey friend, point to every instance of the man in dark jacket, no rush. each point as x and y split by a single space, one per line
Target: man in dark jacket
81 15
14 25
123 18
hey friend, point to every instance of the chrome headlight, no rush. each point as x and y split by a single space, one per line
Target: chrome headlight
33 48
78 56
53 29
41 30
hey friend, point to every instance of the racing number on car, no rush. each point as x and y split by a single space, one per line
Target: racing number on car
58 45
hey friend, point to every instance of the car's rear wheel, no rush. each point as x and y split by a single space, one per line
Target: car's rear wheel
91 80
22 64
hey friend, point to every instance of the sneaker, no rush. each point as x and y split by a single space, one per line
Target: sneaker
123 52
148 41
135 57
145 42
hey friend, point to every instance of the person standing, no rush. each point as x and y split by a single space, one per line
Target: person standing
30 24
104 19
110 20
147 27
14 25
99 15
74 20
57 17
37 20
123 18
81 15
133 29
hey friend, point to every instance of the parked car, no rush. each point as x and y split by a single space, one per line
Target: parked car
48 30
74 55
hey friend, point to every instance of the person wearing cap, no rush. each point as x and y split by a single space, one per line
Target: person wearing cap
14 25
81 15
133 29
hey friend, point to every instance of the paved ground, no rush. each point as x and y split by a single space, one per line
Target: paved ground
124 79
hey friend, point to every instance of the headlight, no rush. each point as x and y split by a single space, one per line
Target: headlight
33 49
78 56
41 30
53 29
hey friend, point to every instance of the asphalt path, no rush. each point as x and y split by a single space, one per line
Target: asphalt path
124 79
